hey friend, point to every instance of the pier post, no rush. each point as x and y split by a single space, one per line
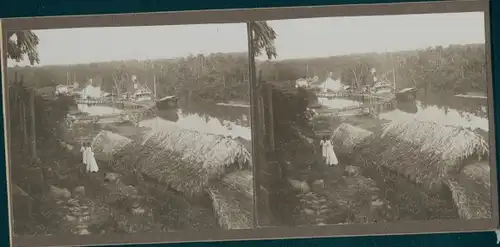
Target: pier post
33 125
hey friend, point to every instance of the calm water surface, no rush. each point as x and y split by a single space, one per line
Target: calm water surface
438 108
207 118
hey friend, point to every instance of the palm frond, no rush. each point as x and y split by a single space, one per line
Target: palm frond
263 39
26 43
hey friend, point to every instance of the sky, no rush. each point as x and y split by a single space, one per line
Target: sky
323 37
87 45
298 38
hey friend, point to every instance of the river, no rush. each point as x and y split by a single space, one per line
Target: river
232 121
440 108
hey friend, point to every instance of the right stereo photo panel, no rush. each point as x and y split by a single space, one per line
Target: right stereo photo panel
371 119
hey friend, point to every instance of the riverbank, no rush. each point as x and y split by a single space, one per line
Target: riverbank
362 188
420 184
111 201
81 203
373 184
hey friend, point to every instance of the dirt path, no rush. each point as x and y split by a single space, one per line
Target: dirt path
341 195
101 202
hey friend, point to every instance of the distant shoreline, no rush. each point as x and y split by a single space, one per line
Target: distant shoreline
234 104
472 96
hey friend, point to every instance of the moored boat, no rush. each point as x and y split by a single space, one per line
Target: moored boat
407 94
167 102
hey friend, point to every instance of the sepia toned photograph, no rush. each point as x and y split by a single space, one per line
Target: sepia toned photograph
249 124
120 130
373 119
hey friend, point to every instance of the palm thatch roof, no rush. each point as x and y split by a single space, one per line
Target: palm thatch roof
346 137
232 199
471 191
107 143
449 142
424 152
183 159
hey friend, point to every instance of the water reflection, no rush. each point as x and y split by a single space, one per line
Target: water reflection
199 122
439 108
169 115
433 113
337 103
206 118
407 106
97 110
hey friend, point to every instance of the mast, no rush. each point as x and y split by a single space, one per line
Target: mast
154 86
393 70
394 78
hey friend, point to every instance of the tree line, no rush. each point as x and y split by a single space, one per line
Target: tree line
216 76
219 77
457 68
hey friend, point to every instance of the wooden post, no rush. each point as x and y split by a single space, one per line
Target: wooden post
24 125
271 118
253 113
33 124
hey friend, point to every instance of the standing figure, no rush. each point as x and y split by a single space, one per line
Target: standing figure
91 162
331 158
83 150
323 147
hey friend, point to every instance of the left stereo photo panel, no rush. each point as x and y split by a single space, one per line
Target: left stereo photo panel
119 130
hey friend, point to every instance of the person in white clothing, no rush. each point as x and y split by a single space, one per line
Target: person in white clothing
323 147
91 162
331 158
83 150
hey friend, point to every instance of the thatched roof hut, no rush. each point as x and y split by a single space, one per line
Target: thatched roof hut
346 137
106 143
232 199
422 151
471 191
185 160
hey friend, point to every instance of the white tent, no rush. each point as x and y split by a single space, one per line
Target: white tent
331 84
91 92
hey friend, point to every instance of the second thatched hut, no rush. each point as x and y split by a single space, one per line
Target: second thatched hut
424 152
346 137
106 144
471 191
440 160
232 198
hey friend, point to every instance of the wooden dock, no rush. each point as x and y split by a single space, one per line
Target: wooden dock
97 101
369 104
372 108
135 113
122 104
233 105
353 96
